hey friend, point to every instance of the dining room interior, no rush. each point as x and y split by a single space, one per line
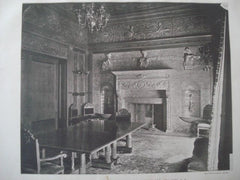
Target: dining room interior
125 88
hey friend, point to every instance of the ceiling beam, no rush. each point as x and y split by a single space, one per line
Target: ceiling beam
151 44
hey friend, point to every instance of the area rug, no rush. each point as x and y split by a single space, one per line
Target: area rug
153 152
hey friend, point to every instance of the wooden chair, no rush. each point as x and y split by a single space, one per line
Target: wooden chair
31 162
123 115
42 126
198 161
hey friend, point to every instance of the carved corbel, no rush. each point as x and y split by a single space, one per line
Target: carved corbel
107 64
143 61
189 59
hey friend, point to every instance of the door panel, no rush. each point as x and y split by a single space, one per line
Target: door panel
44 91
43 97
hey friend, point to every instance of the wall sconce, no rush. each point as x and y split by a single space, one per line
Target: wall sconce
80 72
79 93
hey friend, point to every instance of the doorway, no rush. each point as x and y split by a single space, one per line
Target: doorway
43 92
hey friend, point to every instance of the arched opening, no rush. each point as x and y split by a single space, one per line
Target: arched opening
107 106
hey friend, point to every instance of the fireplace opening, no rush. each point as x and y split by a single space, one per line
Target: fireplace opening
145 93
159 118
151 110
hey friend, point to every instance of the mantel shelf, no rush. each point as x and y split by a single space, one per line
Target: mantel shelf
143 74
138 100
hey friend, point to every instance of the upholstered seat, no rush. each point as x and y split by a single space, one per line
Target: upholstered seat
204 127
198 162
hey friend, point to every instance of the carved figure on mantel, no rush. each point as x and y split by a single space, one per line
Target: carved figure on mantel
106 65
189 59
143 61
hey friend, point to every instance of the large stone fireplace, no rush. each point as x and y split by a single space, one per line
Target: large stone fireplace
145 93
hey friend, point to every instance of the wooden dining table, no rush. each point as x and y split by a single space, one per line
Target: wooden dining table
88 137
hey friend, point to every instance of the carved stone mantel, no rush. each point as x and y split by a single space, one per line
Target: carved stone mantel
128 82
143 74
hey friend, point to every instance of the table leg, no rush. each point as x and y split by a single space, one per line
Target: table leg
72 160
94 155
129 140
43 153
108 154
82 169
114 150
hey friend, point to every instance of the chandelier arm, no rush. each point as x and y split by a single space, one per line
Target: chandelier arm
91 17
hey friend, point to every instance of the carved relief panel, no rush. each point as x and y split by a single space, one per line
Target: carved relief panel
143 84
191 100
152 28
191 104
45 20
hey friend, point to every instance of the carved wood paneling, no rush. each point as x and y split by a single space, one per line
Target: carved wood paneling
153 28
45 46
52 23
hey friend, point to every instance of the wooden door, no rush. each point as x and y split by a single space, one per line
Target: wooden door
43 99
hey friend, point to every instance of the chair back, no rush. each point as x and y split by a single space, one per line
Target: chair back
207 112
30 158
42 126
123 114
88 109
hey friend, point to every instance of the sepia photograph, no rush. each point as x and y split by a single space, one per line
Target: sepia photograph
125 88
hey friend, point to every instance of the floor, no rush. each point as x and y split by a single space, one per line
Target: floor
153 152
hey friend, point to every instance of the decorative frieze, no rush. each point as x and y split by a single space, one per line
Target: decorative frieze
42 45
158 43
52 23
143 84
152 29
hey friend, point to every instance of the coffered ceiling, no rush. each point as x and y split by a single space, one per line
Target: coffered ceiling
130 10
116 9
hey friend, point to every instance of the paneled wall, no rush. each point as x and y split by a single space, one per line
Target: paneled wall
163 37
180 79
52 32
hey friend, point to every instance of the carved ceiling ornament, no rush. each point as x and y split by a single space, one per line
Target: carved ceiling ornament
160 29
152 28
130 32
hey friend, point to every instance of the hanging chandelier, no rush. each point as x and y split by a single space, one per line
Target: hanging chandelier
93 17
